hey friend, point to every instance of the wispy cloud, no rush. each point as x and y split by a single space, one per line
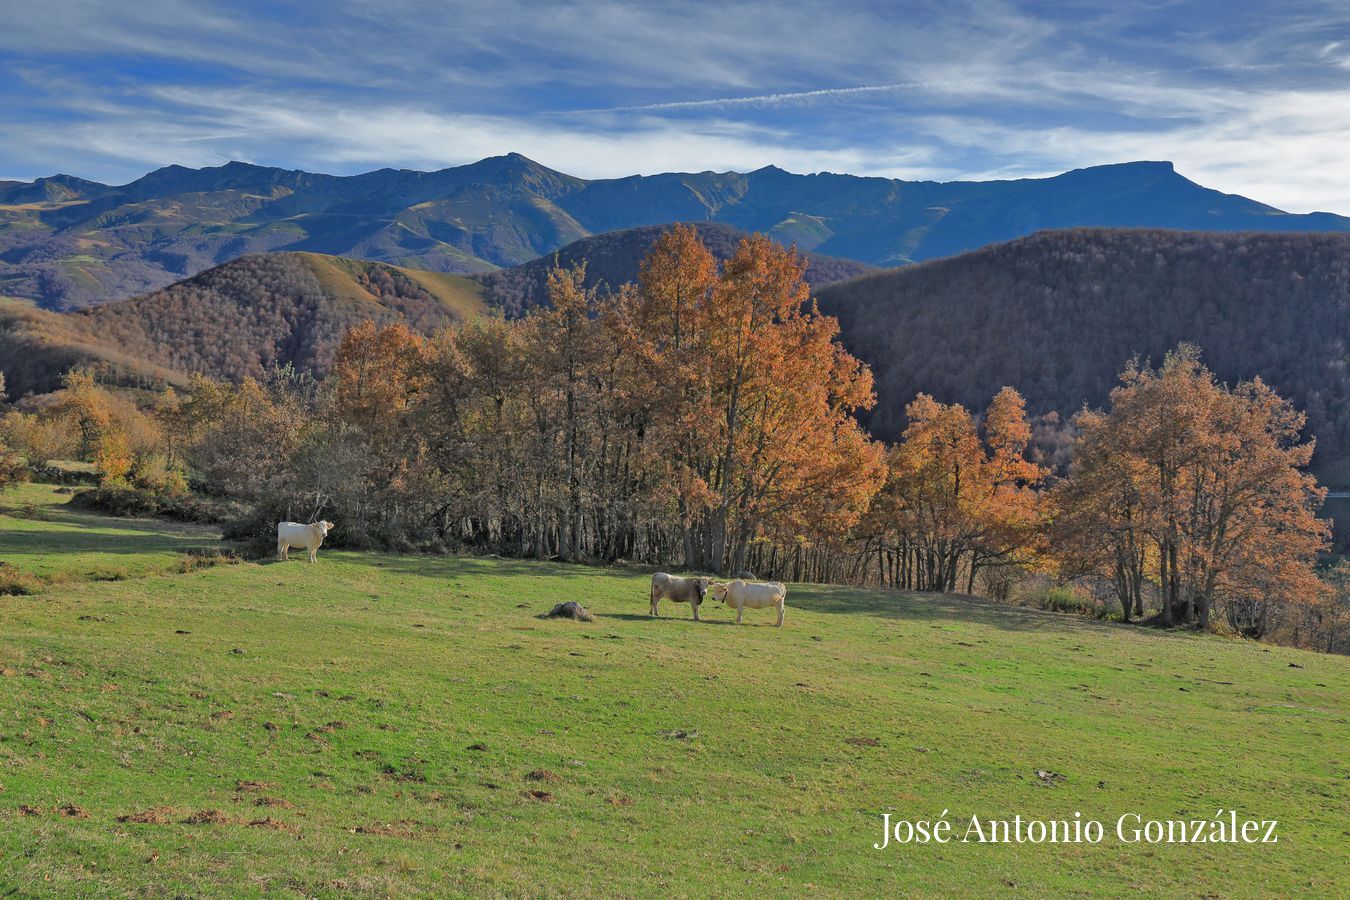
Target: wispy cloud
772 99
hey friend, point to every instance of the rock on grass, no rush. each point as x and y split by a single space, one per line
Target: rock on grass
571 610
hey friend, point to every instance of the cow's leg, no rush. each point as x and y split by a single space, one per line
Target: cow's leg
740 609
282 547
313 554
694 604
655 601
781 607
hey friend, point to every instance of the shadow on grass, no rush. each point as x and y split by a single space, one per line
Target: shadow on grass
643 617
926 607
131 537
471 566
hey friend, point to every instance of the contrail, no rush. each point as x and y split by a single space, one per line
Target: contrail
768 99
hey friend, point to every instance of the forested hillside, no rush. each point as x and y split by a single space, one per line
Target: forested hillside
232 321
613 259
37 346
1056 314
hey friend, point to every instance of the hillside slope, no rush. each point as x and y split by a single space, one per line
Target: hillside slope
614 258
232 321
1058 314
37 346
66 242
394 724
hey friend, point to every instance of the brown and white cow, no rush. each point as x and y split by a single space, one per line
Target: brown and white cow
680 590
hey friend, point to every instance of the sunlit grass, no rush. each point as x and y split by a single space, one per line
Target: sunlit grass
386 713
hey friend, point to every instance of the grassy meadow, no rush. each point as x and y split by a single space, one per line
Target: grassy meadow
388 725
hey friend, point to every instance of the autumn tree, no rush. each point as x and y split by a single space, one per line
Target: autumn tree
563 349
1203 483
956 501
378 376
758 409
236 438
38 437
665 330
87 405
1099 530
10 464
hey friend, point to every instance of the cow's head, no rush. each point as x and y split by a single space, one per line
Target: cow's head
702 585
719 591
325 527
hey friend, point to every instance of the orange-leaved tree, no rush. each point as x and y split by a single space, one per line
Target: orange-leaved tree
954 503
757 398
1204 485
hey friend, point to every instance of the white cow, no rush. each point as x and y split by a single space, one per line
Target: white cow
293 534
745 595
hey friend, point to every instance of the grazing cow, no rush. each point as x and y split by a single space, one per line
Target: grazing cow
681 590
293 534
745 595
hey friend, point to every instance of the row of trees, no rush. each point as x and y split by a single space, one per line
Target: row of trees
686 416
705 417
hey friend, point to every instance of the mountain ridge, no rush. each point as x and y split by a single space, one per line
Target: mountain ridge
67 242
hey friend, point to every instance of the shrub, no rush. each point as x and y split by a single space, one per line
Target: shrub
1066 598
126 502
16 583
55 474
206 558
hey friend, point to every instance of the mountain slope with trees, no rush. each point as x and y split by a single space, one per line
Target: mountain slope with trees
235 320
1057 313
614 258
66 242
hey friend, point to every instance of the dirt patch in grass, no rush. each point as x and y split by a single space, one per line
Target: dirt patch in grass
208 817
1049 779
254 786
14 583
274 802
382 831
541 796
542 775
863 742
679 734
274 824
409 772
71 811
155 815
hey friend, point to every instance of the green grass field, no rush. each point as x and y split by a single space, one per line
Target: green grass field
389 725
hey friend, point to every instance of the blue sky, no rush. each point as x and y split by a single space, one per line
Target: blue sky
1248 97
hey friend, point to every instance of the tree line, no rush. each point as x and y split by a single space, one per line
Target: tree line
706 416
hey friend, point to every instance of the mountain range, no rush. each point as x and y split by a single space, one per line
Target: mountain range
66 242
